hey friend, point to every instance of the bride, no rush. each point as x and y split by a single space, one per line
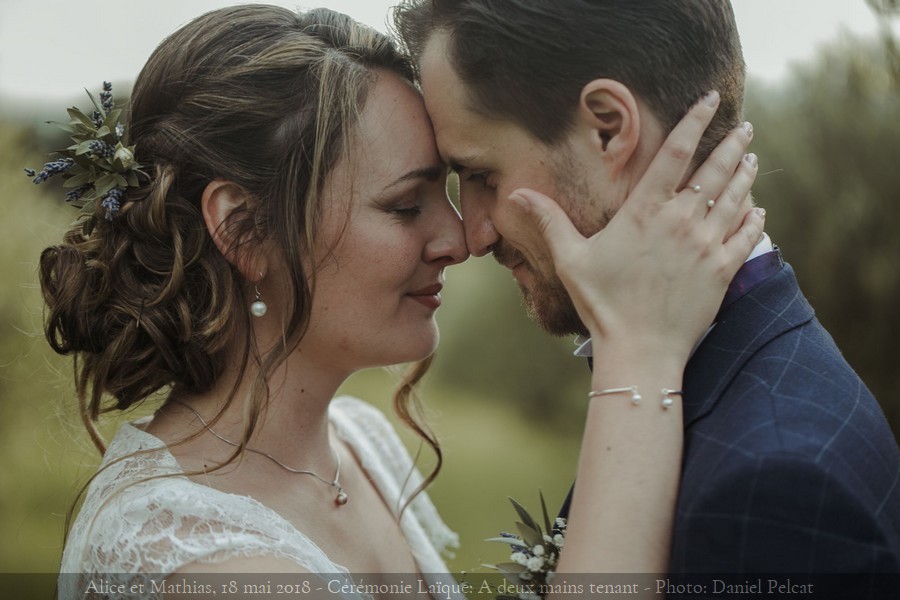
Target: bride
284 225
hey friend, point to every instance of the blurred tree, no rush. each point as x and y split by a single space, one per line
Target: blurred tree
888 11
885 8
829 139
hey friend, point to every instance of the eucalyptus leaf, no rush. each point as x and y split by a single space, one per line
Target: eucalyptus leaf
103 131
97 105
64 126
83 130
104 184
511 568
529 534
82 161
83 148
106 178
103 189
77 115
112 119
548 528
523 514
132 178
77 180
512 541
89 199
87 226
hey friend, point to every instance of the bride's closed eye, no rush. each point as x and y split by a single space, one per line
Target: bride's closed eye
405 207
406 212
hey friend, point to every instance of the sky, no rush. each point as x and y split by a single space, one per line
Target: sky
50 50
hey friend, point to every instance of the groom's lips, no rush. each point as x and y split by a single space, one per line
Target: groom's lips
512 259
518 269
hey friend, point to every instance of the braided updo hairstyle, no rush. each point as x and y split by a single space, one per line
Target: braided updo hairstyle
256 95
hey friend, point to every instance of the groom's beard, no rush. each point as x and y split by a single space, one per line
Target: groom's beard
546 302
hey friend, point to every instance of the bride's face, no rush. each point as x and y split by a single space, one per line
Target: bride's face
393 231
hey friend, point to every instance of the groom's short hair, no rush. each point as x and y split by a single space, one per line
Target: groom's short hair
526 61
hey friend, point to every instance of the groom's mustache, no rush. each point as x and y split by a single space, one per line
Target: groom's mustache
506 255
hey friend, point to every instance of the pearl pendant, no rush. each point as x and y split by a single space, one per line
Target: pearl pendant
667 402
341 499
258 308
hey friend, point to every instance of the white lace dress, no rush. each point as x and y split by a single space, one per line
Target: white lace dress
128 527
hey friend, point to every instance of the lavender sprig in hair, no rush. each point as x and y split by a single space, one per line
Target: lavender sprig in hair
99 166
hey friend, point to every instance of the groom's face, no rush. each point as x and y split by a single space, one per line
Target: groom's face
493 158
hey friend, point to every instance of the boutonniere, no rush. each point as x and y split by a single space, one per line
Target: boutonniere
534 554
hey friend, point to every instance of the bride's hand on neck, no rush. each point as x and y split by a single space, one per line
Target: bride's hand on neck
655 276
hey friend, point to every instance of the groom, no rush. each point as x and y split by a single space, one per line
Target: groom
789 465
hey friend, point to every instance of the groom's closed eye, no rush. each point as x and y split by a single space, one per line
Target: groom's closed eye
480 177
474 176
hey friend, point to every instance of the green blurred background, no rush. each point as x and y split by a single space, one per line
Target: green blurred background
505 400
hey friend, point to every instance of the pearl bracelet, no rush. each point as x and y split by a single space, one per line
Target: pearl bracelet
636 397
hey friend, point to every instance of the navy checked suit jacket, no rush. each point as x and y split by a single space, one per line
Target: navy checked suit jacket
789 464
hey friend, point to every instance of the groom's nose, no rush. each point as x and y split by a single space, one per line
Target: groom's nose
480 232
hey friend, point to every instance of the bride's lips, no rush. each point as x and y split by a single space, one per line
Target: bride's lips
429 296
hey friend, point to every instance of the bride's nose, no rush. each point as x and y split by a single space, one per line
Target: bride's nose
447 244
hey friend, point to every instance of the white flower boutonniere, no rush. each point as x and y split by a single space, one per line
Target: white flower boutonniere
534 554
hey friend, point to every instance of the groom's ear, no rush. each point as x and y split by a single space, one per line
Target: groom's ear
608 114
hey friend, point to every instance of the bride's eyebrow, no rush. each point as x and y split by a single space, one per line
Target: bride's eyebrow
432 173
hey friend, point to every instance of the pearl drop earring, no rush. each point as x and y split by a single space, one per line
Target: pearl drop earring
258 308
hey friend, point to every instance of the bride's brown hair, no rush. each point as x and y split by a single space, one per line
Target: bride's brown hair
256 95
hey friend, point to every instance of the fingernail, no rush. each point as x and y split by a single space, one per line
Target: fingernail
712 98
761 212
751 159
748 127
519 200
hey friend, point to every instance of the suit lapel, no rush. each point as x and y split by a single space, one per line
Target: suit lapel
770 309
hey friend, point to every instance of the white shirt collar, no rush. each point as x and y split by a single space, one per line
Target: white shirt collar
585 348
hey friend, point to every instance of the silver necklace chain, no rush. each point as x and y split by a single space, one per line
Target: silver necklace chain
340 499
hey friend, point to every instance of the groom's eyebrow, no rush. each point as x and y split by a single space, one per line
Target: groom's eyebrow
459 163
